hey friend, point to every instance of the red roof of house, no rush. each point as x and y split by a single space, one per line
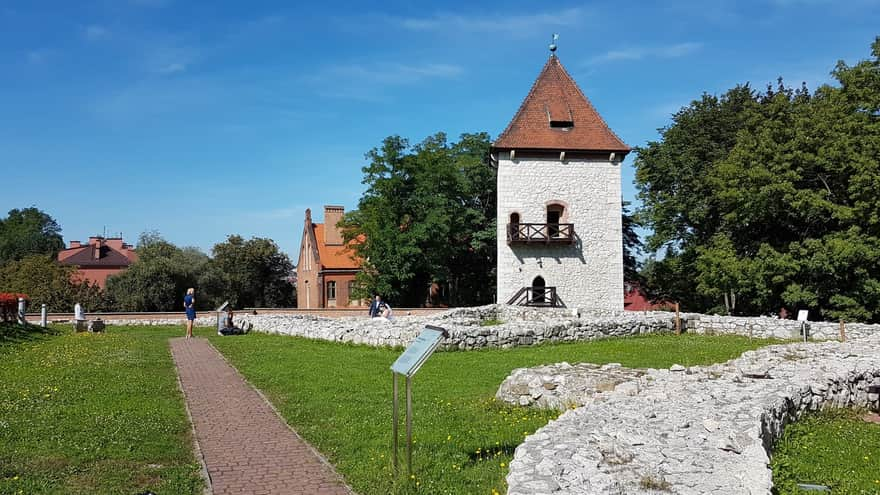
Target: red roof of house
555 96
107 256
334 257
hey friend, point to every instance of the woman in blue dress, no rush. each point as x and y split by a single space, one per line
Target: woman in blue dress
189 304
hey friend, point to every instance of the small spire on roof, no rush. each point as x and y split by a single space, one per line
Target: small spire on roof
553 45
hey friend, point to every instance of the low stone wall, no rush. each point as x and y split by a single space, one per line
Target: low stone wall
529 326
201 321
695 430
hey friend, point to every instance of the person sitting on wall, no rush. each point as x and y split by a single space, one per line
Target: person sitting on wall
229 327
376 307
386 311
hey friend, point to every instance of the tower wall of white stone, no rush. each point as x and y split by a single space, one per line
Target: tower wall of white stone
588 274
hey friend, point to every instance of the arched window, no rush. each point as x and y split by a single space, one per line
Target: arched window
555 212
539 295
514 226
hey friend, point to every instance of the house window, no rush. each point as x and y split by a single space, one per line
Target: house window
351 301
331 291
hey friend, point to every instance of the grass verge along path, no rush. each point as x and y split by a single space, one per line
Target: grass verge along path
94 413
338 398
835 448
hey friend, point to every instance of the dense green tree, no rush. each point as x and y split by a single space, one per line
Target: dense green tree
632 245
427 216
47 282
248 273
27 232
768 200
160 277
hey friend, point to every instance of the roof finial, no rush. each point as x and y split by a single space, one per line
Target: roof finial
553 44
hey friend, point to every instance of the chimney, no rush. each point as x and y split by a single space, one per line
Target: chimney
75 244
97 243
332 216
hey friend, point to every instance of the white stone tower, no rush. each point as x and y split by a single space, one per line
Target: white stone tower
559 201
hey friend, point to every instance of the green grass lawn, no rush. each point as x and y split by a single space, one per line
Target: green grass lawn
92 414
832 448
338 397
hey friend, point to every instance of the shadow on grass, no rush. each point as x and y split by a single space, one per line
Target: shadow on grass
487 453
14 333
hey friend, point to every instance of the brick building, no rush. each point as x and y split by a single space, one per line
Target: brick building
98 259
327 267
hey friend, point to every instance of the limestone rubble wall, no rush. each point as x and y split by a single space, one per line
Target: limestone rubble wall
699 430
530 326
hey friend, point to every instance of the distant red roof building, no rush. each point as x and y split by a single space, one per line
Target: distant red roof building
557 116
326 269
98 259
634 299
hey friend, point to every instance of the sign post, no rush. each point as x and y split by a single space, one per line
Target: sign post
407 365
802 317
220 312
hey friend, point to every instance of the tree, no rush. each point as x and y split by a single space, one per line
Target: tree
160 277
632 245
780 209
47 282
249 273
27 232
427 216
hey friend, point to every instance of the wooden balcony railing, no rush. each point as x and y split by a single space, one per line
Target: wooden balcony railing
536 296
540 233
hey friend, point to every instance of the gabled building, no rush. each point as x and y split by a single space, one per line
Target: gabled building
98 259
326 270
559 214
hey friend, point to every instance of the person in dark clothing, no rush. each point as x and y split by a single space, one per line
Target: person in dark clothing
229 327
377 307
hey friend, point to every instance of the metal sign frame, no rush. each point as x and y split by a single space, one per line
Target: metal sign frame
407 364
802 317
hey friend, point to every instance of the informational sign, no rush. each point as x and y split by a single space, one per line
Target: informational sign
803 314
418 351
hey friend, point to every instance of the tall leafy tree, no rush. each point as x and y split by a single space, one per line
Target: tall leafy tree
781 209
427 216
27 232
632 245
248 273
160 277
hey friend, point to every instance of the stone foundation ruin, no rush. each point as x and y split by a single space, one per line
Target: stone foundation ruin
698 430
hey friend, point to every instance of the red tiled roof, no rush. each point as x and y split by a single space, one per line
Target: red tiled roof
338 257
556 96
85 256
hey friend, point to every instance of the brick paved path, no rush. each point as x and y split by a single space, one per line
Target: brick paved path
247 447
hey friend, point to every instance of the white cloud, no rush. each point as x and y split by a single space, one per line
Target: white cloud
368 82
150 3
639 53
389 74
522 23
172 68
38 57
94 32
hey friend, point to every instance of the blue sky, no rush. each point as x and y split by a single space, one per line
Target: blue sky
204 118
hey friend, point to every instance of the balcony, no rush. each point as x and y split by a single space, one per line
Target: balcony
540 233
536 297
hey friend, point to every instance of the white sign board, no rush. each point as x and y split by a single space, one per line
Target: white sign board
802 314
418 351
